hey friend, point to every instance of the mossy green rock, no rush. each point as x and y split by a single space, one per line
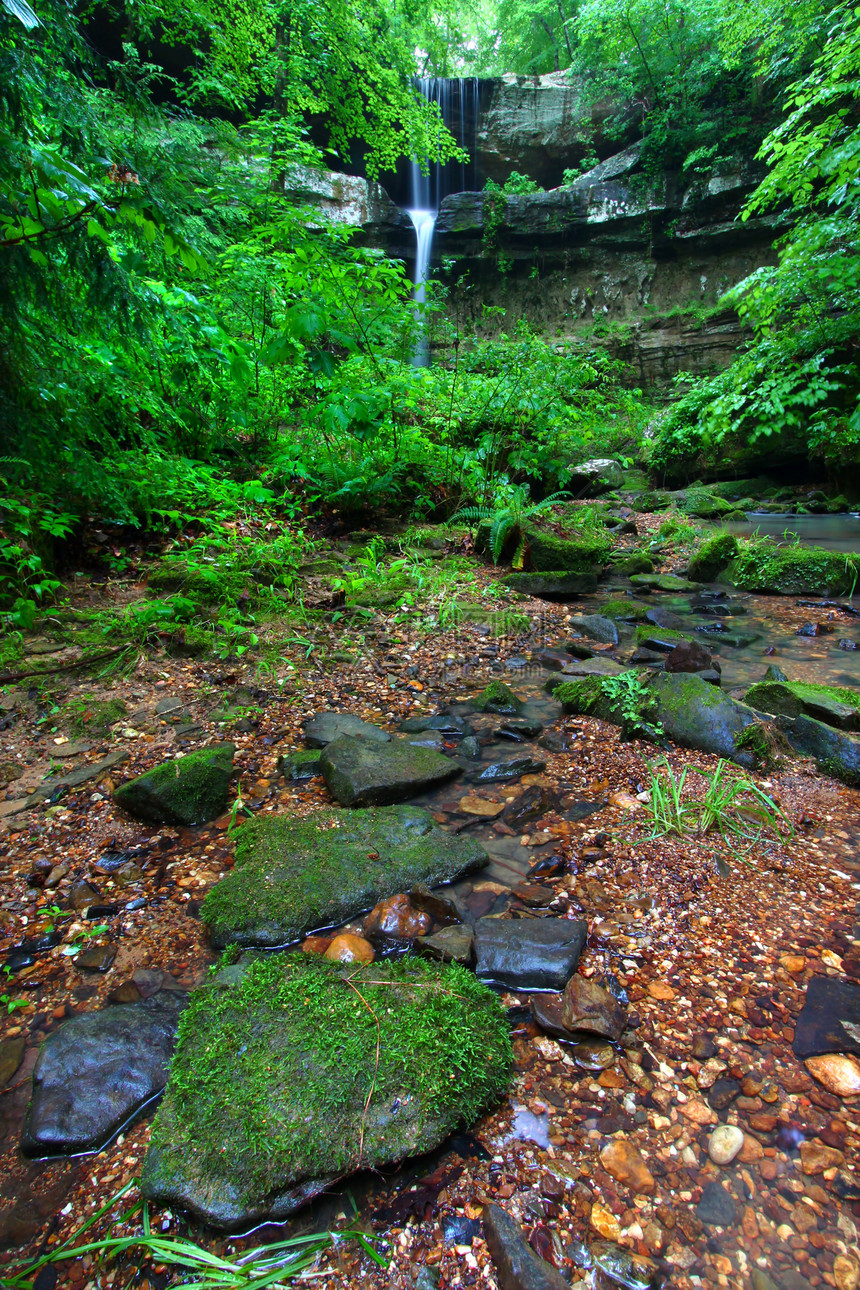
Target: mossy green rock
295 876
299 1072
662 582
790 570
585 697
836 752
547 552
633 562
189 790
712 557
363 772
703 504
832 704
695 714
301 765
555 584
497 697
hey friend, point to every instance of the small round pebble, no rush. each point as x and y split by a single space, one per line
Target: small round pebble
724 1144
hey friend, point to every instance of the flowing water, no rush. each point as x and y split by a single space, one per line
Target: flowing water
833 532
456 99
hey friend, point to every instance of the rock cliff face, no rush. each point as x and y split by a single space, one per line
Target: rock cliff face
639 266
635 263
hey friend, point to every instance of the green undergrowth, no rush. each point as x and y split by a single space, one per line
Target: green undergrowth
309 1069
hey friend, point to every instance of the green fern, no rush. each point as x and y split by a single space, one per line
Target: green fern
508 517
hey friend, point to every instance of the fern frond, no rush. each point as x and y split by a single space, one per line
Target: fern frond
472 514
499 530
520 553
552 500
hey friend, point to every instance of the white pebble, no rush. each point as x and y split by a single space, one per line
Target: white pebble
724 1144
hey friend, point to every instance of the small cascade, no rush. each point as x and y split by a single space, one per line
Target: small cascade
457 99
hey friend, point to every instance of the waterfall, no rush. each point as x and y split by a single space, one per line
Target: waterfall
458 107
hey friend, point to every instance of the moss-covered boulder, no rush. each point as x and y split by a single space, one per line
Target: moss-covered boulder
631 562
497 697
596 627
662 582
555 584
695 714
629 611
659 638
836 752
832 704
703 504
712 557
585 696
295 876
547 552
761 565
189 790
363 772
295 1072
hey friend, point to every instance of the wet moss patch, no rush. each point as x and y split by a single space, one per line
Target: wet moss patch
302 1071
189 790
712 557
293 876
833 704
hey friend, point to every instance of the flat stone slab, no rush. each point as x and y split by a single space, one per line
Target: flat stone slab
555 585
364 772
296 876
292 1072
829 1021
96 1070
528 953
325 727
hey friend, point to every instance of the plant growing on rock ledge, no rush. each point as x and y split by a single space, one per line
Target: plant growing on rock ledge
507 521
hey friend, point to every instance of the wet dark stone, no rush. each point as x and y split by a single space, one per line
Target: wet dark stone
547 867
723 1093
531 805
450 944
557 741
523 728
716 1208
470 748
529 953
552 659
813 629
547 1011
517 1266
581 810
459 1230
690 656
703 1047
96 912
324 727
504 770
96 1070
98 958
300 766
846 644
443 723
829 1002
364 772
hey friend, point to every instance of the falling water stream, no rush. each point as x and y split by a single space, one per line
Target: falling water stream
457 101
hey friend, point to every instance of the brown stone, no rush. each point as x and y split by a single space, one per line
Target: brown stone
587 1006
838 1072
751 1151
397 919
815 1157
661 990
605 1223
316 944
846 1273
624 1163
792 963
347 948
697 1112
